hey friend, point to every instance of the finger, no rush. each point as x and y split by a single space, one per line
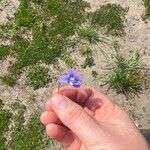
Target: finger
61 134
91 98
94 100
48 105
48 117
78 95
74 117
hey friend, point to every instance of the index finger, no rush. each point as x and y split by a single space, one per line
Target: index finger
82 94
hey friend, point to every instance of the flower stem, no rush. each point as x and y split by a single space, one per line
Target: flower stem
58 86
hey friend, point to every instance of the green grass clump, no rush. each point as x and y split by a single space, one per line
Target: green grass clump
42 48
89 62
17 106
86 51
36 1
124 74
147 6
4 51
111 18
18 118
5 116
69 15
88 33
8 80
29 136
94 74
71 43
69 60
25 16
38 77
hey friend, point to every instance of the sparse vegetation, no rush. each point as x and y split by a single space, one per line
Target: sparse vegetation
147 6
30 136
23 137
8 80
71 43
88 33
94 74
89 62
32 98
25 16
86 51
124 75
4 51
145 78
110 17
37 1
49 39
38 77
69 60
4 122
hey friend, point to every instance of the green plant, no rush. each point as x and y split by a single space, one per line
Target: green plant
86 51
5 31
147 6
25 16
41 48
110 17
30 136
32 98
124 74
71 43
68 60
88 33
89 61
69 15
94 74
18 118
38 77
1 103
19 107
8 80
5 116
37 1
4 51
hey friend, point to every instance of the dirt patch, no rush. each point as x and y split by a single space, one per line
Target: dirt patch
7 9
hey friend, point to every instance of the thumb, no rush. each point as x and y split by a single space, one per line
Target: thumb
75 118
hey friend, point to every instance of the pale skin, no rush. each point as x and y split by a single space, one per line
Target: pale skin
85 119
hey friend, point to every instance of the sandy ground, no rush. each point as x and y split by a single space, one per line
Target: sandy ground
137 37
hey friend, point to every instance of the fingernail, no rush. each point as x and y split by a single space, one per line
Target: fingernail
58 102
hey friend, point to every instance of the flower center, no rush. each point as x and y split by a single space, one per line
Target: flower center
71 80
74 82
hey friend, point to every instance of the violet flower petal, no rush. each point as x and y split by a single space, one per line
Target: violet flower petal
70 72
70 77
63 79
78 78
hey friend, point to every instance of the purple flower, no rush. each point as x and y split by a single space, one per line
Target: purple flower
70 77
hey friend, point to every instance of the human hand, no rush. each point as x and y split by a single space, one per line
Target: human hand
85 119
